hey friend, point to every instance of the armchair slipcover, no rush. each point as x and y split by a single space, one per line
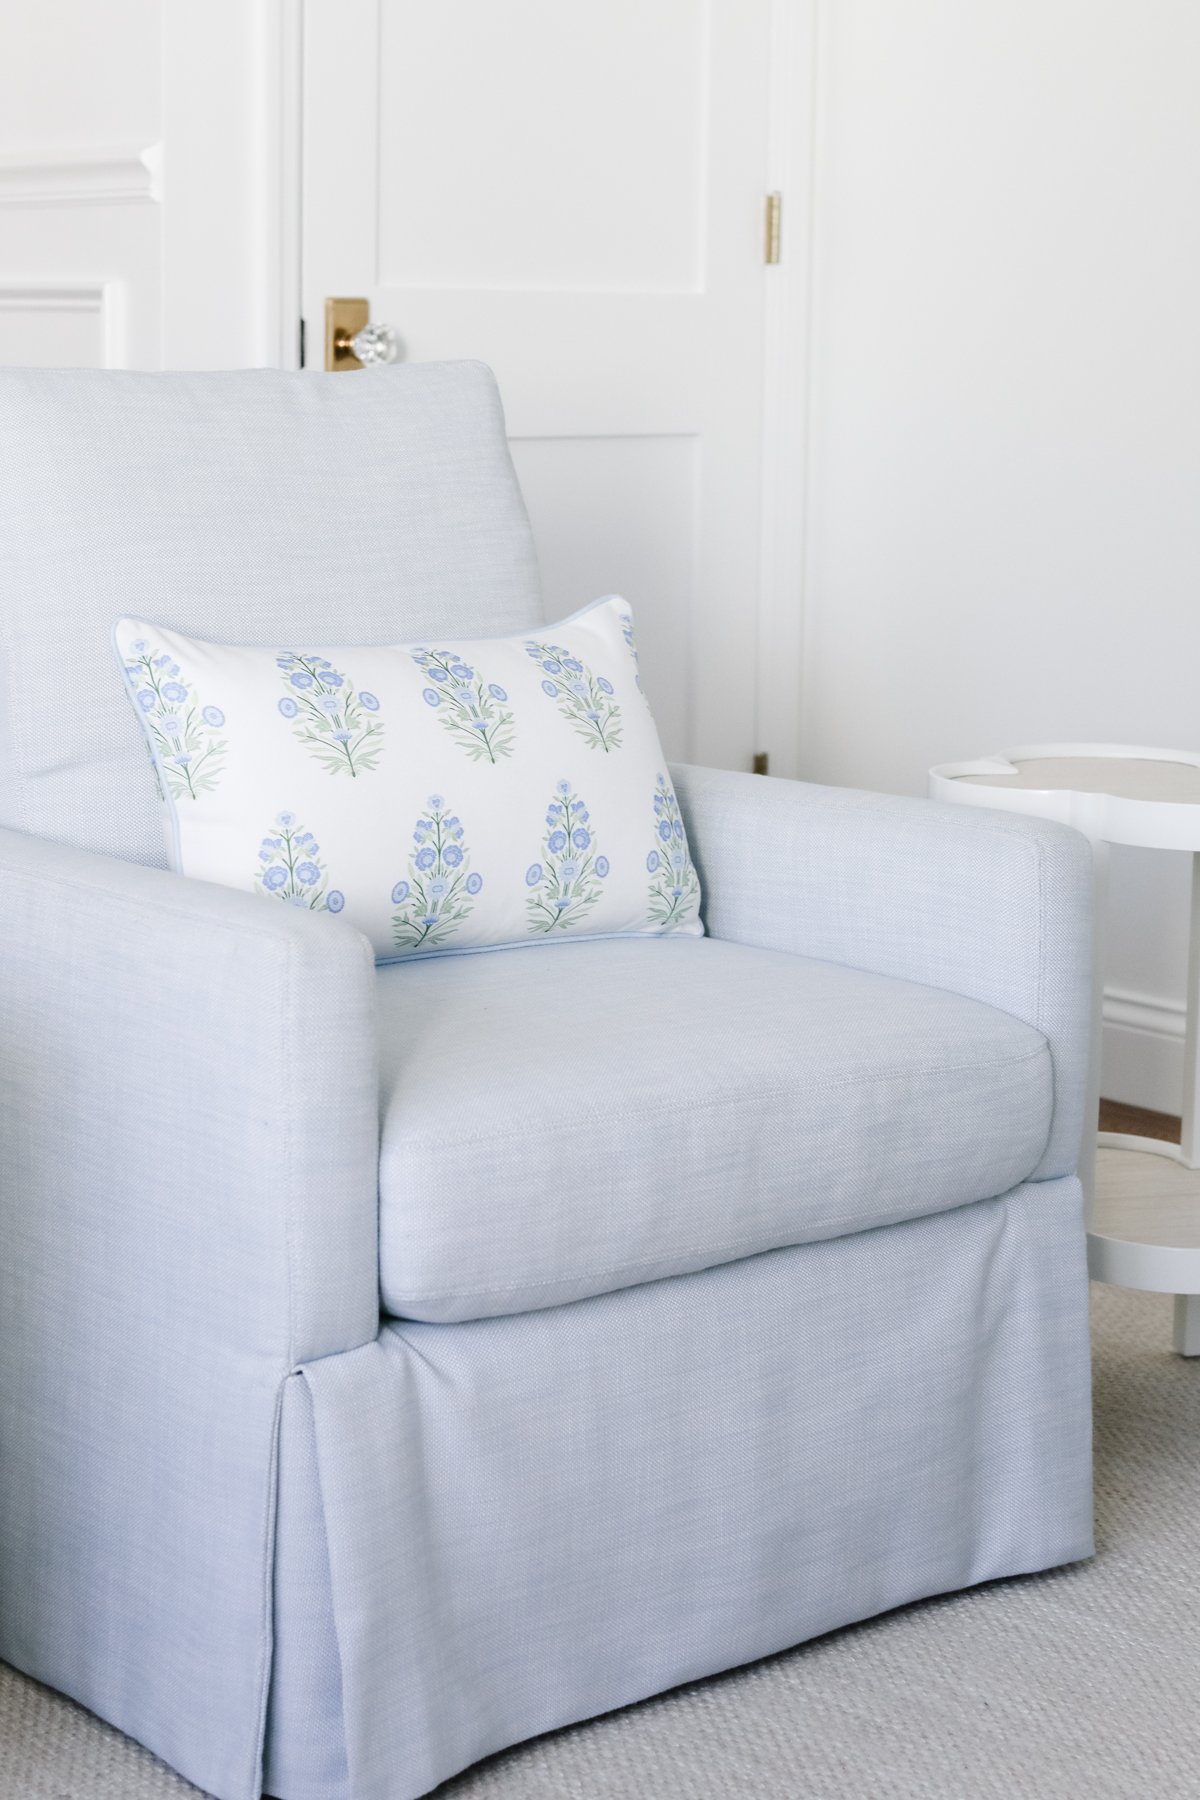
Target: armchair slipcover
387 1376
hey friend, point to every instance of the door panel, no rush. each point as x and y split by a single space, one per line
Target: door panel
57 325
574 193
593 143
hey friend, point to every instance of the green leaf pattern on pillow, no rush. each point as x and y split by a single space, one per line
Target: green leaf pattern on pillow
674 886
183 733
471 709
583 698
441 886
566 883
631 646
338 725
291 868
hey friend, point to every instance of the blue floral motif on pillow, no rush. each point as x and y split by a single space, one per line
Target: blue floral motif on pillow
183 734
471 710
290 868
567 880
338 724
584 698
440 891
674 885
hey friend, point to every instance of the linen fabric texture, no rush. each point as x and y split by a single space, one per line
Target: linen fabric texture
287 1541
827 1099
446 796
209 1245
724 1464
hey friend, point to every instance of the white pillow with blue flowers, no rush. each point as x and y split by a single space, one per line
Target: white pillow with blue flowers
448 796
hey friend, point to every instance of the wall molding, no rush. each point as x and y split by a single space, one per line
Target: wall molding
104 298
1145 1012
51 296
95 175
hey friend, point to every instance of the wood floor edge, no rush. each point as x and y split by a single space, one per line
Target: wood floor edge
1139 1121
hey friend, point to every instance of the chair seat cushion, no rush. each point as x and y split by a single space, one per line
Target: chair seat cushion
566 1120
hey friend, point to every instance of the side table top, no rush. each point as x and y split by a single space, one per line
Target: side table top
1115 793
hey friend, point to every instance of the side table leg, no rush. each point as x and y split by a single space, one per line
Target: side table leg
1187 1324
1187 1306
1091 1113
1190 1135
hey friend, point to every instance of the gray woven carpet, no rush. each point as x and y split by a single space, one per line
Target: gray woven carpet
1082 1683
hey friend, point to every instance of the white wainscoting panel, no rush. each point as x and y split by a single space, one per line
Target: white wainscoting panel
81 256
89 176
62 324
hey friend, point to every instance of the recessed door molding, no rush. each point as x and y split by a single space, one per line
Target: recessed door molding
57 296
87 175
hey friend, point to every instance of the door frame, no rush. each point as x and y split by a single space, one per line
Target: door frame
787 386
263 164
231 193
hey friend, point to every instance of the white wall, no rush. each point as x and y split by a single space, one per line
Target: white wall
1005 457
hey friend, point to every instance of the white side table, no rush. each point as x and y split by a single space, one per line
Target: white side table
1143 1196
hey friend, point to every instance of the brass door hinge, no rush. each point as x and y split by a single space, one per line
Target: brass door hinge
759 765
772 228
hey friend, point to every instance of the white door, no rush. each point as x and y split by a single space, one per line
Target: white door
574 193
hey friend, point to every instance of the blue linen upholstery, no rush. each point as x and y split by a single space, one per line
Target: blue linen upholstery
893 885
655 1082
258 1525
545 1516
187 1177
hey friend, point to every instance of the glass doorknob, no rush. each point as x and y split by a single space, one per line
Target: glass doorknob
376 344
352 341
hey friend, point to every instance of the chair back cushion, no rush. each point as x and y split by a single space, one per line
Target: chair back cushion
252 507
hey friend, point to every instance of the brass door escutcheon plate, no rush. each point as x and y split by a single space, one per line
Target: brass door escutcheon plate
343 320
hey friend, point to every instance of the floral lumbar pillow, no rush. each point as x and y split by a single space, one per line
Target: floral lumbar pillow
447 796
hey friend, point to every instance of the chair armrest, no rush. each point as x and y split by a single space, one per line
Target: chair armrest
995 906
188 1210
189 1103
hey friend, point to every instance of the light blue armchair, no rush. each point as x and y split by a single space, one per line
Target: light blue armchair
397 1364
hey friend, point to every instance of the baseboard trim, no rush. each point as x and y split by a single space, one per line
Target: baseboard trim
1145 1012
1143 1049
